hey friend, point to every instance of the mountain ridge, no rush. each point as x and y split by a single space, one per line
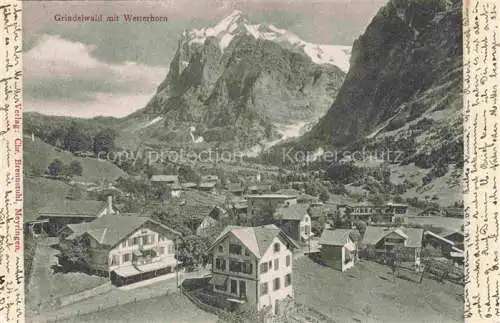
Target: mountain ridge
235 81
403 93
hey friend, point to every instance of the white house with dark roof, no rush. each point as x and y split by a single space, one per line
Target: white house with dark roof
338 249
387 239
295 221
125 247
253 265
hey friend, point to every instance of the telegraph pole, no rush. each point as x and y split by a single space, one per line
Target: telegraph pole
309 242
177 262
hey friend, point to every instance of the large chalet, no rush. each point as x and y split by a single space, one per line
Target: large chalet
126 247
253 265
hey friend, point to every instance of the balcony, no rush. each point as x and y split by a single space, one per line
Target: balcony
145 256
394 243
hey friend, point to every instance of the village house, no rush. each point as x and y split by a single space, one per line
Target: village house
454 212
318 211
269 202
447 248
55 216
194 207
211 221
127 248
369 212
307 199
239 205
236 189
166 179
431 211
438 242
456 236
206 227
295 221
338 249
396 209
210 179
258 189
189 185
361 211
175 190
241 208
207 187
387 240
253 265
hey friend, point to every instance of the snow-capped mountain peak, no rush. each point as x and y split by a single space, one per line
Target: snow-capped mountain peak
235 24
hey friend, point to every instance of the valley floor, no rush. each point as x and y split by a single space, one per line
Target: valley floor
367 293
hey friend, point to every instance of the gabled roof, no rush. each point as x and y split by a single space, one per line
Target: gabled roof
255 239
441 238
292 212
401 233
374 234
265 236
446 234
336 237
207 185
165 178
208 220
68 208
111 229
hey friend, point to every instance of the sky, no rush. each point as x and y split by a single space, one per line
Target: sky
113 69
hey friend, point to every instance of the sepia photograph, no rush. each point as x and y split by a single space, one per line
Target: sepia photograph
284 161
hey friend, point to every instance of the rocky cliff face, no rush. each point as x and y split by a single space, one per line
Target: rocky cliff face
236 81
403 93
406 65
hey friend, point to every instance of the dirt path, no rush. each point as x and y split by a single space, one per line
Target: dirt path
40 274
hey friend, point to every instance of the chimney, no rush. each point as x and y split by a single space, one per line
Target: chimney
110 205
